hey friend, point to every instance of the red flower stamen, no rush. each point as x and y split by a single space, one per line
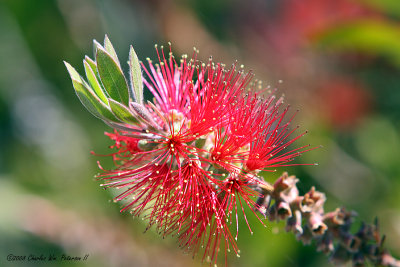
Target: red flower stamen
189 166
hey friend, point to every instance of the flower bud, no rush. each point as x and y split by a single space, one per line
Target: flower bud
316 224
272 213
306 236
285 182
293 223
283 210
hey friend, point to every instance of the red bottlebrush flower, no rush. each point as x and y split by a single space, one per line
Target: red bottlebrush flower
126 145
188 161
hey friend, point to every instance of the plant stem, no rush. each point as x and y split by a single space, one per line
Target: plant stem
305 217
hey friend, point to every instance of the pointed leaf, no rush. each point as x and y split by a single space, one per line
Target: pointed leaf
88 97
122 112
135 73
94 82
144 114
92 65
72 72
110 49
95 45
158 112
112 77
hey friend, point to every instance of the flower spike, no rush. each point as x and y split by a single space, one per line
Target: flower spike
188 161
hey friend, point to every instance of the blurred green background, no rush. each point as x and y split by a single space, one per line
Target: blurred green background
340 65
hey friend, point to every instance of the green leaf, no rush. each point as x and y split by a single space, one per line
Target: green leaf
110 49
72 72
122 112
391 7
94 82
144 114
136 76
92 65
368 36
88 98
112 77
95 46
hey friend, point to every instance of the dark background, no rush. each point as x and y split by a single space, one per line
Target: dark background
339 61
